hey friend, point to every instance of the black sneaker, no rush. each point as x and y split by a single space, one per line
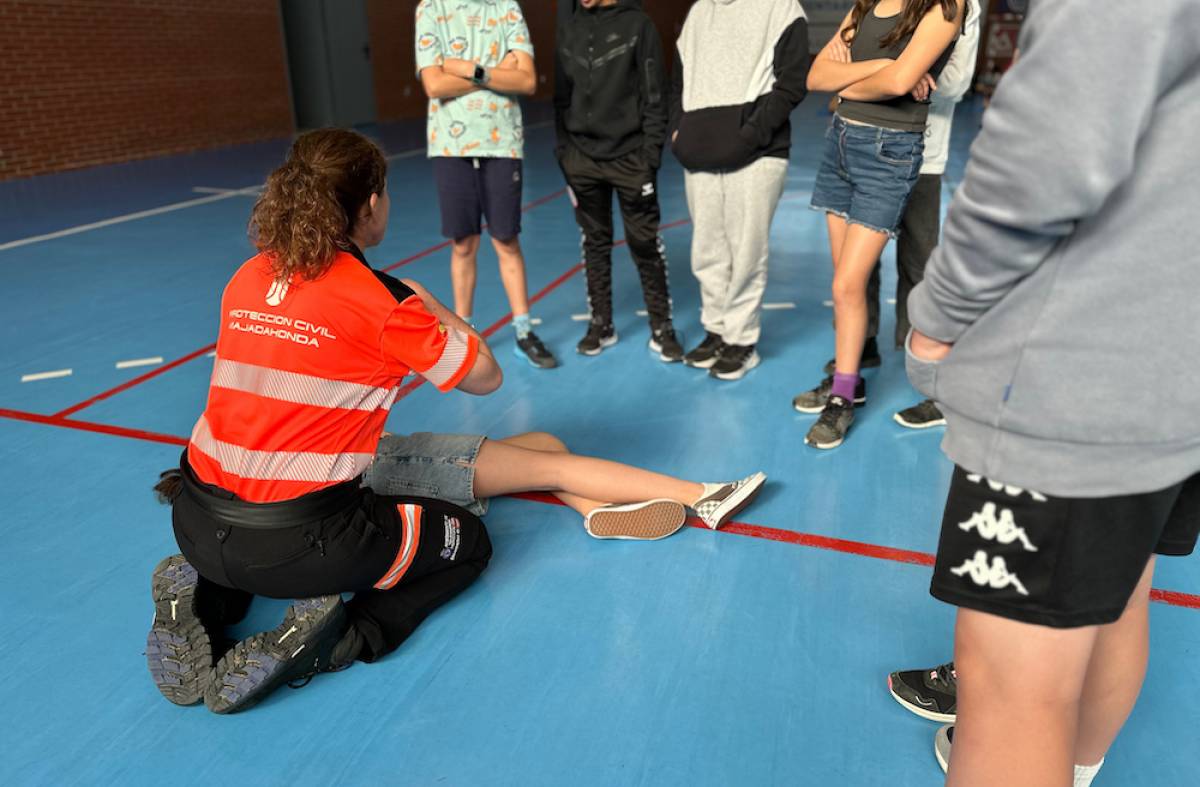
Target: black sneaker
707 353
930 693
814 401
598 337
870 358
295 650
920 416
531 349
830 429
735 361
179 650
664 342
943 741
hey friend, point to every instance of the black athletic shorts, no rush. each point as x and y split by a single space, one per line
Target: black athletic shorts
471 190
1054 561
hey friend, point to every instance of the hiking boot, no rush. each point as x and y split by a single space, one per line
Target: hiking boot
706 353
814 401
735 361
179 648
598 337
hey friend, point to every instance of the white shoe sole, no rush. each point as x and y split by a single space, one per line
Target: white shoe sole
648 521
740 372
944 718
913 425
655 347
737 501
604 344
707 364
943 759
825 446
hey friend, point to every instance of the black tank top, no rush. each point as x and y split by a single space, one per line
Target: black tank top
903 113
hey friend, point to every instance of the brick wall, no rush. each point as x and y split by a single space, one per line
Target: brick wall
86 82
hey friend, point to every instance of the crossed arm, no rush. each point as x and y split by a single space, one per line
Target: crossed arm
516 75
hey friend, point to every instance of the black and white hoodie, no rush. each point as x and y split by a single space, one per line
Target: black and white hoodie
741 68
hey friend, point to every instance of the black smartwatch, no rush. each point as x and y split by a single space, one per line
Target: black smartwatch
481 75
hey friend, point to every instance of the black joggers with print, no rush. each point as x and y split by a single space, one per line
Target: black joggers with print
344 539
592 184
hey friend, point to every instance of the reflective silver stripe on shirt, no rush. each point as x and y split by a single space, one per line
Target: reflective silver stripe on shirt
278 465
300 388
453 355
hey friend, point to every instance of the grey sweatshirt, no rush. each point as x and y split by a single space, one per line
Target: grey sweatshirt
1068 278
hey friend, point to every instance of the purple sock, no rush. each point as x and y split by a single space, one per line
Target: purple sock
844 385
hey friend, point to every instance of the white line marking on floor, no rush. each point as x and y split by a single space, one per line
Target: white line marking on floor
249 191
212 354
785 305
140 362
406 154
642 313
29 378
141 214
827 303
535 321
581 317
891 301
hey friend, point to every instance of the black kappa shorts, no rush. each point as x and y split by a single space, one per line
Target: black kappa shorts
1054 561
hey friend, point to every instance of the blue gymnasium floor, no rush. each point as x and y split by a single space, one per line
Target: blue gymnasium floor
705 659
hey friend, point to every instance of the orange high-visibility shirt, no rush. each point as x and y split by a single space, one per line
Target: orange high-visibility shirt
306 372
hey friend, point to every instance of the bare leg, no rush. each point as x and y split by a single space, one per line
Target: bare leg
1019 689
463 254
1114 676
860 251
504 467
837 236
512 273
543 441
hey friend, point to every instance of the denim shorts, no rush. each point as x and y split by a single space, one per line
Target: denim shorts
441 466
867 173
473 189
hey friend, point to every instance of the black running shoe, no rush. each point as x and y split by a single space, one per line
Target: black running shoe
870 358
664 342
179 650
295 650
531 349
814 401
830 429
735 361
706 353
920 416
930 693
597 338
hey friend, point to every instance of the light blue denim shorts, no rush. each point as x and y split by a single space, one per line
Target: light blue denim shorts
423 464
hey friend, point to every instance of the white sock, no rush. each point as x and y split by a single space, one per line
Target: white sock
1085 773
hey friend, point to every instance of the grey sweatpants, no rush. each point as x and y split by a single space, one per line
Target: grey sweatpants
731 214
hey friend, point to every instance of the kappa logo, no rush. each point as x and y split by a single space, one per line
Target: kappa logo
994 575
1002 528
277 292
1009 489
647 189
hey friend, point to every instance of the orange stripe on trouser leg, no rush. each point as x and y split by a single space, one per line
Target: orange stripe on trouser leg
410 515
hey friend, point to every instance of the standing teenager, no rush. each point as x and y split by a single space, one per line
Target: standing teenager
475 59
884 52
740 70
610 109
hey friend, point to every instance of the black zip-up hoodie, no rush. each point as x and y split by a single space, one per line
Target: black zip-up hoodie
610 84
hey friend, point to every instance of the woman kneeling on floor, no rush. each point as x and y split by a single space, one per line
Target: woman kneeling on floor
286 489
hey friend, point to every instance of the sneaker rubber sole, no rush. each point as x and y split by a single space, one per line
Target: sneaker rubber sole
825 446
945 718
655 347
179 649
899 418
859 401
648 521
296 648
605 343
941 747
517 351
734 504
739 372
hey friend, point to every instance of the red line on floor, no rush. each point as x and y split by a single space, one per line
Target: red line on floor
89 426
135 381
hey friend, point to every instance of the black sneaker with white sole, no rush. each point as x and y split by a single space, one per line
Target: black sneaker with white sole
870 358
179 647
597 338
664 342
735 361
532 350
721 502
705 354
814 401
831 428
930 693
920 416
301 646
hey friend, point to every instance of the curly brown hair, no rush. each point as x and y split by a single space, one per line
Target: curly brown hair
914 11
307 211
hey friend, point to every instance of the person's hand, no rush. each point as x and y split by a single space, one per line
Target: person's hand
839 50
925 87
926 349
455 67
